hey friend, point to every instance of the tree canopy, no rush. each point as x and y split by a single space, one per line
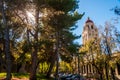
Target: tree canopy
36 30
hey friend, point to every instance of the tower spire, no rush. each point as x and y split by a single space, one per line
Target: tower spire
88 18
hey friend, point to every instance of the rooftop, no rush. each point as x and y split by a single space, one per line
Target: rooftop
88 20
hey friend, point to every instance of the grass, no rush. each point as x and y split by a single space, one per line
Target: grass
43 77
15 75
20 75
25 75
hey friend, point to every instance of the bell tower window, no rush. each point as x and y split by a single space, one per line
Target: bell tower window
92 27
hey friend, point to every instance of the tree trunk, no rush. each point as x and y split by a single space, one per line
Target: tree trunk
1 60
106 71
34 59
57 66
78 64
22 69
33 64
7 54
112 73
100 72
57 54
7 43
35 51
52 63
101 76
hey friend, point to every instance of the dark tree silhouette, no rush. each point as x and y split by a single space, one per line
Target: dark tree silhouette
117 10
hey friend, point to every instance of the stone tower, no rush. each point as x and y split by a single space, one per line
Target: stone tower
90 31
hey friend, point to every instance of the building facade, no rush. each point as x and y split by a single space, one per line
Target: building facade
90 31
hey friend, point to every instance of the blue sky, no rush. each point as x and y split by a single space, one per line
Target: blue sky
99 12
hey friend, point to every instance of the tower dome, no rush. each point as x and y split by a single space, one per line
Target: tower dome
88 20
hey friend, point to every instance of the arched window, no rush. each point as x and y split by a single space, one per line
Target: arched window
91 26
